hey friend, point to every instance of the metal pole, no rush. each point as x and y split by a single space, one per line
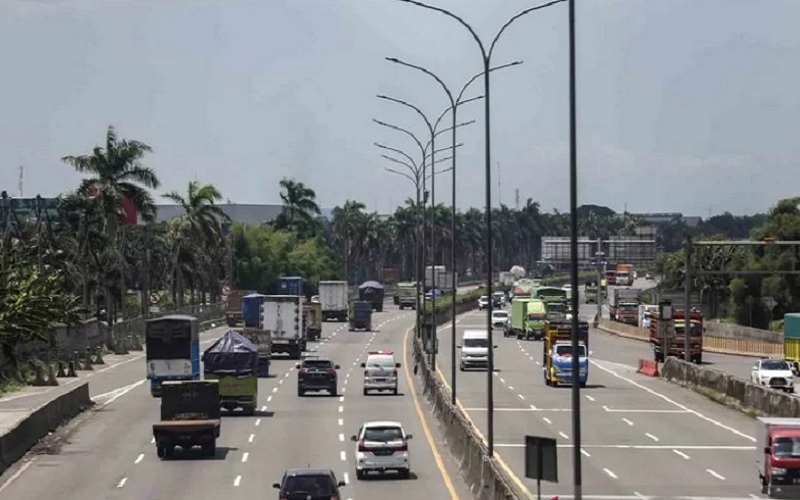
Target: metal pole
417 257
453 371
489 266
687 286
434 328
573 195
600 255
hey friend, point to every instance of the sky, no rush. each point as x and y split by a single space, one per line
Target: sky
689 106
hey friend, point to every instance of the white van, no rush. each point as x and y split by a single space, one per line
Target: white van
474 349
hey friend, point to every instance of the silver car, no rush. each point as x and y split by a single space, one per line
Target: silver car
380 372
382 447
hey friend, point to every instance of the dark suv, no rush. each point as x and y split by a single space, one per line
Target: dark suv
309 484
316 374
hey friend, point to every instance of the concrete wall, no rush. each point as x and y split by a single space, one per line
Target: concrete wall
41 421
727 330
731 390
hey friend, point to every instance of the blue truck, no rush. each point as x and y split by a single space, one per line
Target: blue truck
559 356
360 315
290 285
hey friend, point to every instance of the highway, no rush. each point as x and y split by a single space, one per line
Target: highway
110 453
641 437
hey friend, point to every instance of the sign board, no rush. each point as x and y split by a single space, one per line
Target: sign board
541 459
226 290
154 298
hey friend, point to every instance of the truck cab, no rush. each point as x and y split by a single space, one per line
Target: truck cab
779 456
559 356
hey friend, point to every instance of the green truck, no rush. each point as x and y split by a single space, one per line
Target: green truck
233 362
527 319
405 295
555 300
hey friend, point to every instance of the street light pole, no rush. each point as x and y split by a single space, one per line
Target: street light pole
454 104
486 60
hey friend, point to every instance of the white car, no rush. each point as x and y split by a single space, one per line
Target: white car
380 372
483 303
499 319
382 447
773 373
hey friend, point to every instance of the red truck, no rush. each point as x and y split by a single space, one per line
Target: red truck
778 450
675 336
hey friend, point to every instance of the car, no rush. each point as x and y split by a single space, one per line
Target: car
773 373
483 302
316 374
309 484
498 299
382 447
648 277
380 372
315 299
499 319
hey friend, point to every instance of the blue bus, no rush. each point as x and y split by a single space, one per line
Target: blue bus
172 350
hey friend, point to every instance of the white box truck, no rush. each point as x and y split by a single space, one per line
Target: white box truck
333 300
282 317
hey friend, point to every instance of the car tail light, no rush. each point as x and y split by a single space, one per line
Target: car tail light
394 373
303 371
366 373
331 372
402 447
361 446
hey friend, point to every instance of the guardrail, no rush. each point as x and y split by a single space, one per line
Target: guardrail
711 343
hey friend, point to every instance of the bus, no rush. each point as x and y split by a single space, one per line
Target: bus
172 350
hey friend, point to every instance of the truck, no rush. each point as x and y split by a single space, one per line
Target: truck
233 362
624 274
372 292
791 340
333 299
506 278
190 416
282 317
778 456
312 312
233 306
405 295
360 316
559 355
611 277
674 331
251 310
290 285
263 342
527 318
590 292
624 305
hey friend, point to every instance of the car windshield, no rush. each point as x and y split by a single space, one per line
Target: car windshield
774 365
536 316
313 485
318 364
383 434
500 315
476 342
484 298
566 350
787 447
380 362
629 307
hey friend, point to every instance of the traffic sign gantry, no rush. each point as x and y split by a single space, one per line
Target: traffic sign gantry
154 298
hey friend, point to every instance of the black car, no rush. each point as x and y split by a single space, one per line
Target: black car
317 374
309 484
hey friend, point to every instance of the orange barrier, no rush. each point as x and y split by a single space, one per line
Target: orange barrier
648 367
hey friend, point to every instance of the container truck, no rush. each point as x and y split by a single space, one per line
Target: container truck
333 299
405 295
251 310
312 318
559 355
372 292
674 331
506 279
791 340
624 305
190 417
778 456
624 274
360 316
611 277
282 317
290 285
233 362
527 318
233 306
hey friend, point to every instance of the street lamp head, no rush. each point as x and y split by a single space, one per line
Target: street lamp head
393 59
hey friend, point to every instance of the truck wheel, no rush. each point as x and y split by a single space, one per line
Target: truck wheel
332 390
394 392
249 410
210 449
360 474
364 391
583 385
300 393
161 451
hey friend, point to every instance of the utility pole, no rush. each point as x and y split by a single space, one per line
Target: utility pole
687 286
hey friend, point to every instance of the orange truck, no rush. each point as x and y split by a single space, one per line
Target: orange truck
624 275
675 331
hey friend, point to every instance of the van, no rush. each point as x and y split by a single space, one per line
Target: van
474 349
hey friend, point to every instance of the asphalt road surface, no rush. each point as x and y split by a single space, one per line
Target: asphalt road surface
110 453
642 438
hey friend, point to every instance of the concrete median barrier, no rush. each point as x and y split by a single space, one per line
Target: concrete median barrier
27 431
483 475
731 391
715 340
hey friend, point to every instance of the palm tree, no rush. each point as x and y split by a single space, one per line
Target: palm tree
299 207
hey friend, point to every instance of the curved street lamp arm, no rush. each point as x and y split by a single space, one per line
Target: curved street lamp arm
439 160
414 171
442 171
463 23
401 129
416 183
398 151
446 148
510 21
469 82
462 124
432 75
409 105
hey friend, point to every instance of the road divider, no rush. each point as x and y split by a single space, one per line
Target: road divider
36 424
648 367
486 477
730 390
711 343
